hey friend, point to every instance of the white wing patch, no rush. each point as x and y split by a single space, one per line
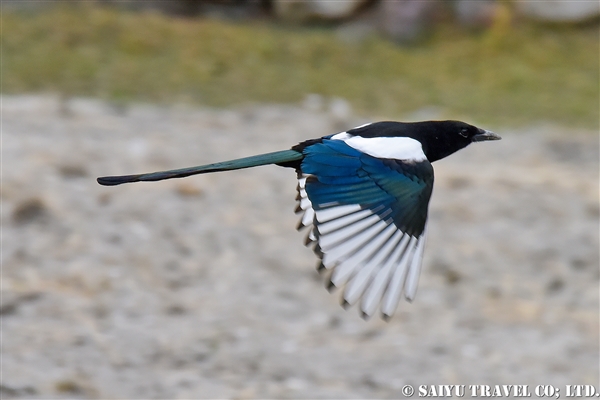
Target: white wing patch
363 252
398 148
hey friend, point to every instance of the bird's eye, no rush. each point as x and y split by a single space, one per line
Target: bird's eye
463 132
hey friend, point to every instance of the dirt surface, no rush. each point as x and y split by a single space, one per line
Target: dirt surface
201 287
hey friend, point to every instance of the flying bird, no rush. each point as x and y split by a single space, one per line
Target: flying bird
364 196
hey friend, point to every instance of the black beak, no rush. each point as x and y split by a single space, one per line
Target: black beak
483 135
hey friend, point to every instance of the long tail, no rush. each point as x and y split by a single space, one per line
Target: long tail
279 157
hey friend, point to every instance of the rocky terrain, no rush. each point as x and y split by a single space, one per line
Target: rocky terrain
201 287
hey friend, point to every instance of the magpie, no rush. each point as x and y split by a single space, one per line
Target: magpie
363 195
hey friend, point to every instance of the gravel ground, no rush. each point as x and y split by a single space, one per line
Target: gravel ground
201 287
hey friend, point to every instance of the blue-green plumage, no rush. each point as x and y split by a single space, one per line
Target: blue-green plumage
278 157
341 175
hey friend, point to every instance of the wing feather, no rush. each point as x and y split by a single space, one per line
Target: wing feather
359 282
367 222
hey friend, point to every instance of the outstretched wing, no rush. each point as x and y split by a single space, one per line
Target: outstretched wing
367 219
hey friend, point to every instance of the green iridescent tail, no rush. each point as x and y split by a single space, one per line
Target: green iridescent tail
279 157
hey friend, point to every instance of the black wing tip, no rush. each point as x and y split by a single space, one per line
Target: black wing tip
345 305
318 251
307 240
300 226
330 286
320 267
386 317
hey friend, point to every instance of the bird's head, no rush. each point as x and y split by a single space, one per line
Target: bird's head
447 137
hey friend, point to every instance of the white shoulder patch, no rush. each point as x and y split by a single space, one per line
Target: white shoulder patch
341 136
398 148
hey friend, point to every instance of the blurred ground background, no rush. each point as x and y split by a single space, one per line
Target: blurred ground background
201 288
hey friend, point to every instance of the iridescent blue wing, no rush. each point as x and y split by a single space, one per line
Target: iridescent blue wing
367 219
